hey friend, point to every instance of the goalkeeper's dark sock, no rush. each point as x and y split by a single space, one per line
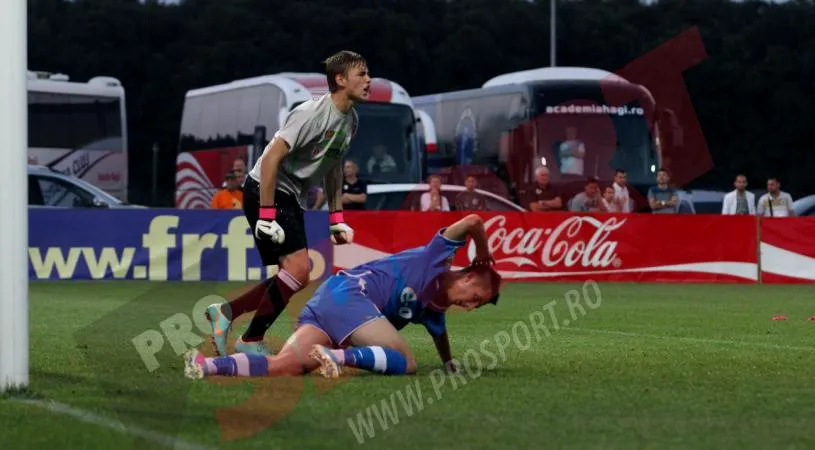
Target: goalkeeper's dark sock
374 359
247 302
237 365
281 289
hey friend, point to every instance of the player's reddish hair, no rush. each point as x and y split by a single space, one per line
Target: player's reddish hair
491 276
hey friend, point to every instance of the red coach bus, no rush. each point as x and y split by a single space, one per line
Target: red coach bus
518 121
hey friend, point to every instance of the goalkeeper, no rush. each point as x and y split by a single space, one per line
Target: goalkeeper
353 318
308 149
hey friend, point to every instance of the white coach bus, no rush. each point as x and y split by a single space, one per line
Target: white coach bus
79 129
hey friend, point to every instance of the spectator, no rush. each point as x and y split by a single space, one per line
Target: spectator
470 200
572 152
662 198
354 190
239 168
541 196
610 201
775 203
740 201
589 200
380 161
433 200
316 198
621 196
231 196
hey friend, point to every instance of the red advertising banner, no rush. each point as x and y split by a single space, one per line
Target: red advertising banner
569 247
788 250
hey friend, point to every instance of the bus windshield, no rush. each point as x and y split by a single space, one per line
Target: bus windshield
581 135
386 144
71 121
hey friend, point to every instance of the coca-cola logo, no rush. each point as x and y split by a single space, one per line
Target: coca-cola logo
562 245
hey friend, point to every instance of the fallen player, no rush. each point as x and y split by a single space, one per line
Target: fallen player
353 318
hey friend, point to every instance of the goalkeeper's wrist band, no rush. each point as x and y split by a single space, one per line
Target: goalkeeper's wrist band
336 217
267 213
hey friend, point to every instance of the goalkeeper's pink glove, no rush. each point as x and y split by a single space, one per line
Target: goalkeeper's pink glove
341 233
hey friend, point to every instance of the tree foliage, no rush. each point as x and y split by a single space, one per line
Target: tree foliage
752 95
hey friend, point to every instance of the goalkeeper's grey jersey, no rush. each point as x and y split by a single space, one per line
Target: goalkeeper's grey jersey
318 135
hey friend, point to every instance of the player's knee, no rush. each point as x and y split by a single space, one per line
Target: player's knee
298 266
301 275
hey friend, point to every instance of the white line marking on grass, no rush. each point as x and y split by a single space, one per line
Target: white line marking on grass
691 339
89 417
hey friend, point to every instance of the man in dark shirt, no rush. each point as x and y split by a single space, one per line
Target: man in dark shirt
470 200
354 190
662 198
541 196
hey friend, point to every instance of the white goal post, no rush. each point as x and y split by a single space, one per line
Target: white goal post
13 196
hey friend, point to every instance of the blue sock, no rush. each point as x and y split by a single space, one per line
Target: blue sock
376 359
239 364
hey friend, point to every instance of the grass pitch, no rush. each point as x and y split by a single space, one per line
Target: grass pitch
641 366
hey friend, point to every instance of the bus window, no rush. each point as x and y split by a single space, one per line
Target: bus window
271 102
70 121
248 115
228 117
209 119
385 142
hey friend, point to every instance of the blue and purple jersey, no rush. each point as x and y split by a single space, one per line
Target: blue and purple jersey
404 285
401 287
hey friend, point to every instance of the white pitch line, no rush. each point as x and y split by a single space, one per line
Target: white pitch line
89 417
691 339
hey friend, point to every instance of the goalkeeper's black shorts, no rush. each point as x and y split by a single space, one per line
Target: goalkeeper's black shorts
289 217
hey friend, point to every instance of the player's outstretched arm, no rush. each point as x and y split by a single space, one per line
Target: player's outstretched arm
473 226
442 343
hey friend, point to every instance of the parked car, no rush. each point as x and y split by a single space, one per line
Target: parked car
394 197
48 188
804 206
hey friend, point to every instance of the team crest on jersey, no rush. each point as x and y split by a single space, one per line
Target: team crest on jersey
407 299
333 143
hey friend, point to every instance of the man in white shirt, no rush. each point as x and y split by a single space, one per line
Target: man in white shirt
621 197
775 203
433 200
740 201
611 204
572 152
